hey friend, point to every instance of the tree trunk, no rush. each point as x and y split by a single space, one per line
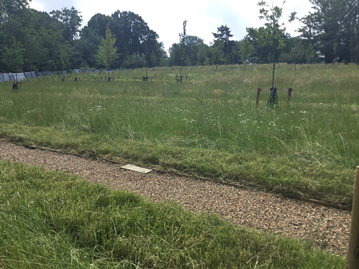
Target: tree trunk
273 74
273 37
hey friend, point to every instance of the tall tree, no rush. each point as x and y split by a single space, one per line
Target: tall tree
190 46
9 6
70 22
44 46
309 54
132 36
333 29
246 51
221 41
107 52
217 55
13 56
136 35
223 35
297 52
202 51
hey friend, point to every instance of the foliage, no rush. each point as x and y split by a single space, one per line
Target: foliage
333 29
222 41
45 48
201 53
217 54
310 54
55 41
297 52
272 35
8 7
13 56
246 50
69 20
136 61
107 53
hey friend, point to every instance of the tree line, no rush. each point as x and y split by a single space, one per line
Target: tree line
33 40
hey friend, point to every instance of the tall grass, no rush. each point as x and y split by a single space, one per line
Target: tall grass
215 110
54 220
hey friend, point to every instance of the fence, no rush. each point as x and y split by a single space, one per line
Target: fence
6 77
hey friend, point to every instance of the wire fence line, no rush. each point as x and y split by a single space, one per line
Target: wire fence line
6 77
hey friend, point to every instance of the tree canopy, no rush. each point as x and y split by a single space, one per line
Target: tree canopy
107 52
333 29
32 40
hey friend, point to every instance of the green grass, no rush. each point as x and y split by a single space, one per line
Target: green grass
208 126
55 220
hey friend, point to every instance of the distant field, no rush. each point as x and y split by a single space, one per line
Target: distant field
207 126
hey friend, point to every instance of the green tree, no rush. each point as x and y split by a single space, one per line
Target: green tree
206 61
134 35
246 51
163 61
138 60
333 29
13 56
70 22
222 41
45 47
297 53
10 6
153 59
235 53
217 56
273 37
202 53
310 54
189 51
107 52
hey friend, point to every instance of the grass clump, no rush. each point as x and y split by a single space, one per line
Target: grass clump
54 220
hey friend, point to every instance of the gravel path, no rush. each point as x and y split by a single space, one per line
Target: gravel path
265 211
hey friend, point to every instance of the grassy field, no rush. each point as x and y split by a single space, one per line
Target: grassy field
54 220
207 126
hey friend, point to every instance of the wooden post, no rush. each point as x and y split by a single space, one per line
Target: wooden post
289 90
257 100
353 248
289 95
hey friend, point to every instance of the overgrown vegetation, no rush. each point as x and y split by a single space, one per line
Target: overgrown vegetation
54 220
208 126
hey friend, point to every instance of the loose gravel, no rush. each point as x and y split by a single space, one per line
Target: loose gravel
327 227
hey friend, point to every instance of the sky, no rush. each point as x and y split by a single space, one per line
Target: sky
203 16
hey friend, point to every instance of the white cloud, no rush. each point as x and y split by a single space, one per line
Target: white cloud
48 6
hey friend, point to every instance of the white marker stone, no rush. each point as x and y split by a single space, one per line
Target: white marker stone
136 168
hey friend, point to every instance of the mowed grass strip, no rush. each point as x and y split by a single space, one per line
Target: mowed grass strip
294 177
55 220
